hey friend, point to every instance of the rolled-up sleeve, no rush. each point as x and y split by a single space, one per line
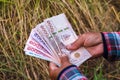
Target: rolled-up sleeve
71 73
111 41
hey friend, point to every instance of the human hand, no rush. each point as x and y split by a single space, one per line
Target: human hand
91 41
54 70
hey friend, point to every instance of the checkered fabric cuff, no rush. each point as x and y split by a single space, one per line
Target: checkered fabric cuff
71 73
111 41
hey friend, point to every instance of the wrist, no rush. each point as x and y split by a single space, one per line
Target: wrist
105 52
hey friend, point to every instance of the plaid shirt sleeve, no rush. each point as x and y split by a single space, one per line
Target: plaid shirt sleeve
71 73
111 41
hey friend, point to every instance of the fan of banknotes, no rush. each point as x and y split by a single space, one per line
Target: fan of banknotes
48 41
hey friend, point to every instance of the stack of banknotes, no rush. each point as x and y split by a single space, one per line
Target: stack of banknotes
48 41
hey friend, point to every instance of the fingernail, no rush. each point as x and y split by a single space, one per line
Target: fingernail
69 46
63 55
53 66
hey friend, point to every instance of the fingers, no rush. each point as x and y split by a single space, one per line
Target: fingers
64 59
52 66
77 44
96 51
86 40
54 70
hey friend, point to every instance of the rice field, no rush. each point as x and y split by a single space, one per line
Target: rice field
18 17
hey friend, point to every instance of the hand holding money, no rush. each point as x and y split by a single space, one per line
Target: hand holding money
48 40
54 70
91 41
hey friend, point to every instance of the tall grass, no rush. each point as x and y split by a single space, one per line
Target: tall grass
18 17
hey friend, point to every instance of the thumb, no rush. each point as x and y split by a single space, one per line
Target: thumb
53 70
64 59
52 66
77 44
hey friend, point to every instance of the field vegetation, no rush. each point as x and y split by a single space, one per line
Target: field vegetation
18 17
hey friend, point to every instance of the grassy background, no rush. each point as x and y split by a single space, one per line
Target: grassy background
18 17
